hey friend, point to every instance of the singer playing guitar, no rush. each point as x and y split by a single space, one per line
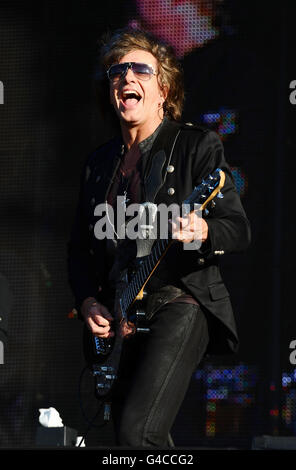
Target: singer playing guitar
156 159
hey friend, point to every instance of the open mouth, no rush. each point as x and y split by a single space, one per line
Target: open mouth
130 97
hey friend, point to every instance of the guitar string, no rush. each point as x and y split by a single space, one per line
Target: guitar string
139 279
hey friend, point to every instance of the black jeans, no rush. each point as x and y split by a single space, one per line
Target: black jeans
154 375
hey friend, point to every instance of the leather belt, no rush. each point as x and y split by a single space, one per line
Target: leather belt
161 297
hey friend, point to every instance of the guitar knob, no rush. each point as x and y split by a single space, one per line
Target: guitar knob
100 385
107 369
110 377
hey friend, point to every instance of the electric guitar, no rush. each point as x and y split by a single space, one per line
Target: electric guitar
130 292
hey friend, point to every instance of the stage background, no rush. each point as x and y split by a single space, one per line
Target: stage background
237 82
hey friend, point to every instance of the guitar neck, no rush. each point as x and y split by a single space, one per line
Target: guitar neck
134 291
202 194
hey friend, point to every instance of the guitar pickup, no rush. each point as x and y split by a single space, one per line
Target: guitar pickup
101 346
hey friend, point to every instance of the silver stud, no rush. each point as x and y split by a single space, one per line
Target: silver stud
219 252
201 261
170 169
171 191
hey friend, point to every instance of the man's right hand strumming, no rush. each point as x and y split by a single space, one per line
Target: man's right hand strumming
97 318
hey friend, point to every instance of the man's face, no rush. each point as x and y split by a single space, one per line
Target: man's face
146 103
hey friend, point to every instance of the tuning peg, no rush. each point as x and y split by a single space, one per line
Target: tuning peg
140 314
220 195
143 330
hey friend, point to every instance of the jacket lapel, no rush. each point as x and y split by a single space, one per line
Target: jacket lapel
155 167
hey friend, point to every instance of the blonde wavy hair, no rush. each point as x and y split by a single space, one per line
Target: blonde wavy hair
170 74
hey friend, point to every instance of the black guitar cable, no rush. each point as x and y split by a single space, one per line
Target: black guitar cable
90 425
92 420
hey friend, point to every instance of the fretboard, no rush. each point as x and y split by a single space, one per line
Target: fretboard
202 194
143 273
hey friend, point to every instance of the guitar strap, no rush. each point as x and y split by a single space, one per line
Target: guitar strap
159 159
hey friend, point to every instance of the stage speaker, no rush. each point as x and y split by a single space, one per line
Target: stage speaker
274 443
56 437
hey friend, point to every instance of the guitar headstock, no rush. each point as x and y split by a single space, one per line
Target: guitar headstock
209 188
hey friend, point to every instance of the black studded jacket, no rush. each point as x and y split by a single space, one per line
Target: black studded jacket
182 155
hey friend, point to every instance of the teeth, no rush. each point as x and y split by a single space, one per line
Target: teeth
130 92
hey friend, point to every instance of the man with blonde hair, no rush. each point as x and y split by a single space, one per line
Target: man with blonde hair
155 159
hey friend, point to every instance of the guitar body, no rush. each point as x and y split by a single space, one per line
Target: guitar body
103 355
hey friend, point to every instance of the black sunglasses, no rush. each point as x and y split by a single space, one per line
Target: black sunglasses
118 71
